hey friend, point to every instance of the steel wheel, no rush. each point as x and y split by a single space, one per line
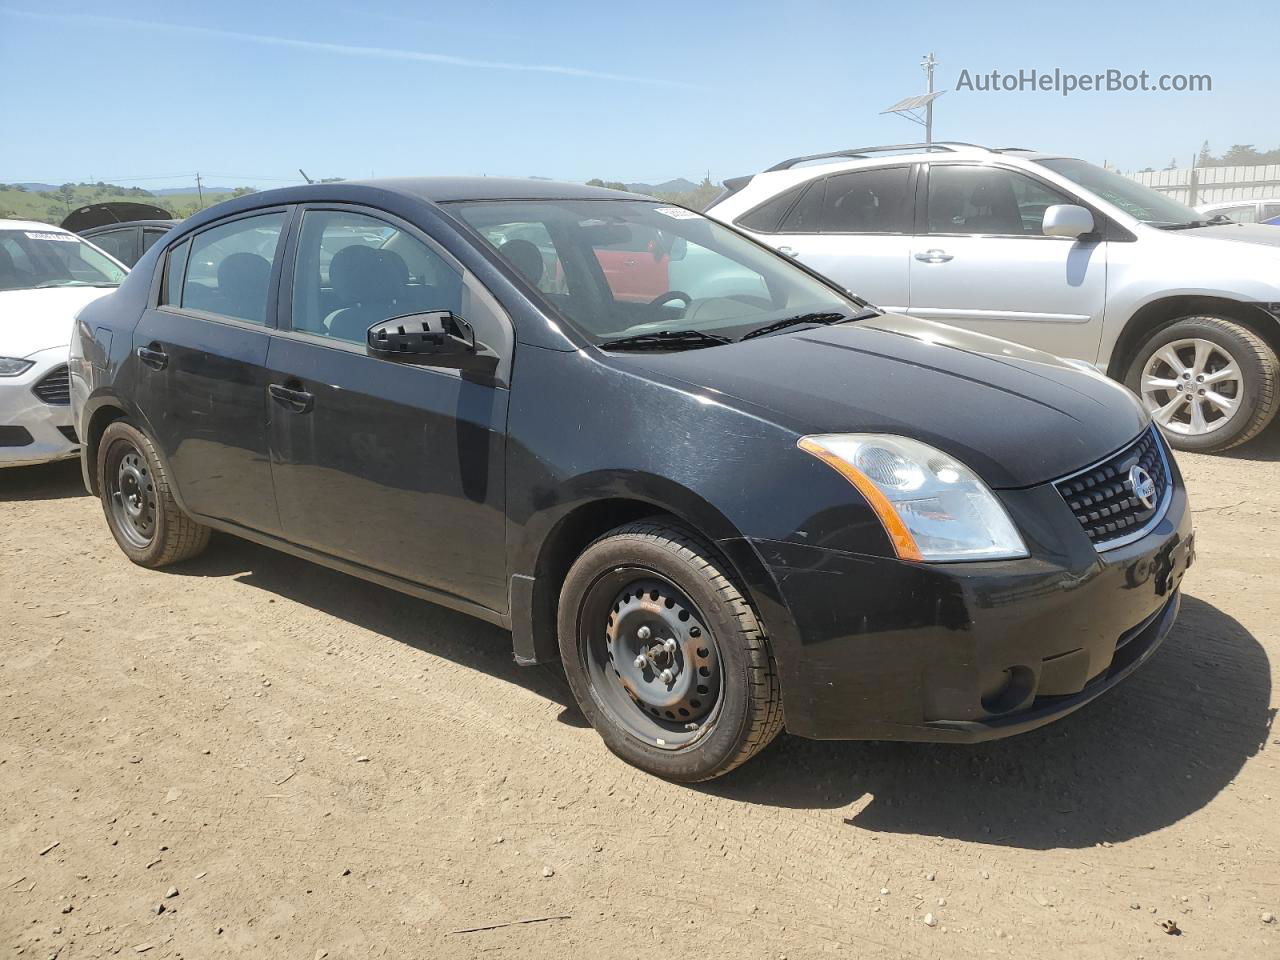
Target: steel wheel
1192 387
654 664
131 493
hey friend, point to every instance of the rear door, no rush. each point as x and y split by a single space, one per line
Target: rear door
394 466
981 261
855 227
201 354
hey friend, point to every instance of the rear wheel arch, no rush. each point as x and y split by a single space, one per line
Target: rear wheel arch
1168 310
99 420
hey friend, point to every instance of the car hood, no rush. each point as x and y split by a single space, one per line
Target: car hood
1256 233
35 320
1017 416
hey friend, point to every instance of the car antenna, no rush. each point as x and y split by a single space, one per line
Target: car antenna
304 175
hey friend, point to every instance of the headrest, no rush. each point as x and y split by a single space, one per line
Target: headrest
525 257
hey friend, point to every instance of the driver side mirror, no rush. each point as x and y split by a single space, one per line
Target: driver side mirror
1066 220
435 339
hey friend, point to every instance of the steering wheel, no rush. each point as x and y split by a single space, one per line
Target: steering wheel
662 298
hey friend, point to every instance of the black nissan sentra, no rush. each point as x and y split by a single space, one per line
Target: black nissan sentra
727 495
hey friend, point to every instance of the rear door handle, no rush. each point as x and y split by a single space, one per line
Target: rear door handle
934 256
788 252
299 401
156 359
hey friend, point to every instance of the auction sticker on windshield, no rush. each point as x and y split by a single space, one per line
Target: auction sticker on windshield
677 213
60 237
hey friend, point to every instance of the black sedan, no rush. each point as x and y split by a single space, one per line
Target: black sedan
746 501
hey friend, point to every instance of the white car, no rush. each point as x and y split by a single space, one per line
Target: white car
1245 211
1047 251
46 275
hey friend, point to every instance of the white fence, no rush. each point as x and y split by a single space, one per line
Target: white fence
1197 186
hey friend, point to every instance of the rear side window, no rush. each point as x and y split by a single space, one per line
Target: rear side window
867 201
806 215
1247 214
1270 211
174 271
228 270
354 271
766 217
149 237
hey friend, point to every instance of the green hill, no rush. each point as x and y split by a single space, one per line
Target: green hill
50 206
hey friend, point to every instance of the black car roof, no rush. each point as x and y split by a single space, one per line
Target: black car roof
446 189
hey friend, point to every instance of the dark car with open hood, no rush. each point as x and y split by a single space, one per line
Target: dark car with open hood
748 502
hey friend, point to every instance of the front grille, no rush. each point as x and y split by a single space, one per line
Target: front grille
1102 497
54 387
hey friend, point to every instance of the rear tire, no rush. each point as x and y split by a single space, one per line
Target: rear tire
1209 382
145 519
664 654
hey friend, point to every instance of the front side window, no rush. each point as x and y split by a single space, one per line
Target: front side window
118 243
228 270
868 201
1270 211
987 201
354 271
708 277
1247 214
36 259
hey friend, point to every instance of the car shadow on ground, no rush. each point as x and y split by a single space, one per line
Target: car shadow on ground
1148 753
46 481
428 627
1264 448
1155 749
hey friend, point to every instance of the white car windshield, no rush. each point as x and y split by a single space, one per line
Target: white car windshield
1140 202
35 259
643 270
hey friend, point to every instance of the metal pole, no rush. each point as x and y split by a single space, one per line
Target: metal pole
928 63
200 191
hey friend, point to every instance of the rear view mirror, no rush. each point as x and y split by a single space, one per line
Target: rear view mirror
679 247
1066 220
436 339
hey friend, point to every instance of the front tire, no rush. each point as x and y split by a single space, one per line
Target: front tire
1210 383
141 511
664 654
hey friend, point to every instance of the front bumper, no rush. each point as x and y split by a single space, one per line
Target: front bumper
31 430
874 648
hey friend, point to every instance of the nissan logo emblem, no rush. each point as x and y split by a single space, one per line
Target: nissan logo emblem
1142 485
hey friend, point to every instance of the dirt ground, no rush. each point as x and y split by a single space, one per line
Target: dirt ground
319 766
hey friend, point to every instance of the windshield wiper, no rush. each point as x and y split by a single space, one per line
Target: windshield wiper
825 319
1189 225
665 340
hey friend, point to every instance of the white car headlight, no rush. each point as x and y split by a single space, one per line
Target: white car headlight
933 507
12 366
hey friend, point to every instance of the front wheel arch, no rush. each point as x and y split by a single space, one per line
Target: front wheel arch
1153 316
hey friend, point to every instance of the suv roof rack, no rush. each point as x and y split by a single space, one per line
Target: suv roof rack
856 153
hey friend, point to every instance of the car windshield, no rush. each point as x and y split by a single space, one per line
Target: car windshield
34 259
1140 202
665 276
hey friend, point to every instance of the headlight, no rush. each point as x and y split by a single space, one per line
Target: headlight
932 506
12 366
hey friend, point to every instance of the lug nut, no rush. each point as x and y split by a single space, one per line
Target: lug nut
669 645
640 661
643 633
667 676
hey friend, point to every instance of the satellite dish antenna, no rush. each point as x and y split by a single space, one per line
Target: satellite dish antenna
910 107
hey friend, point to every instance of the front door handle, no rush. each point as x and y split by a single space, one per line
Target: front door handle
155 359
788 252
299 401
934 256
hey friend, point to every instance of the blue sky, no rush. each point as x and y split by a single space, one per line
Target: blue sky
247 92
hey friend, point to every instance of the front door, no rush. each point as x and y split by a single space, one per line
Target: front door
393 466
980 261
201 361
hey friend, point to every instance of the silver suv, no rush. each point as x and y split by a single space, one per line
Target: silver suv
1048 251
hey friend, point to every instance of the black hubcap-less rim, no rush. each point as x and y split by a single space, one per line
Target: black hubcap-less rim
654 664
132 495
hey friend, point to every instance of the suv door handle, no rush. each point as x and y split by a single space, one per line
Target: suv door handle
788 252
934 256
155 359
299 401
